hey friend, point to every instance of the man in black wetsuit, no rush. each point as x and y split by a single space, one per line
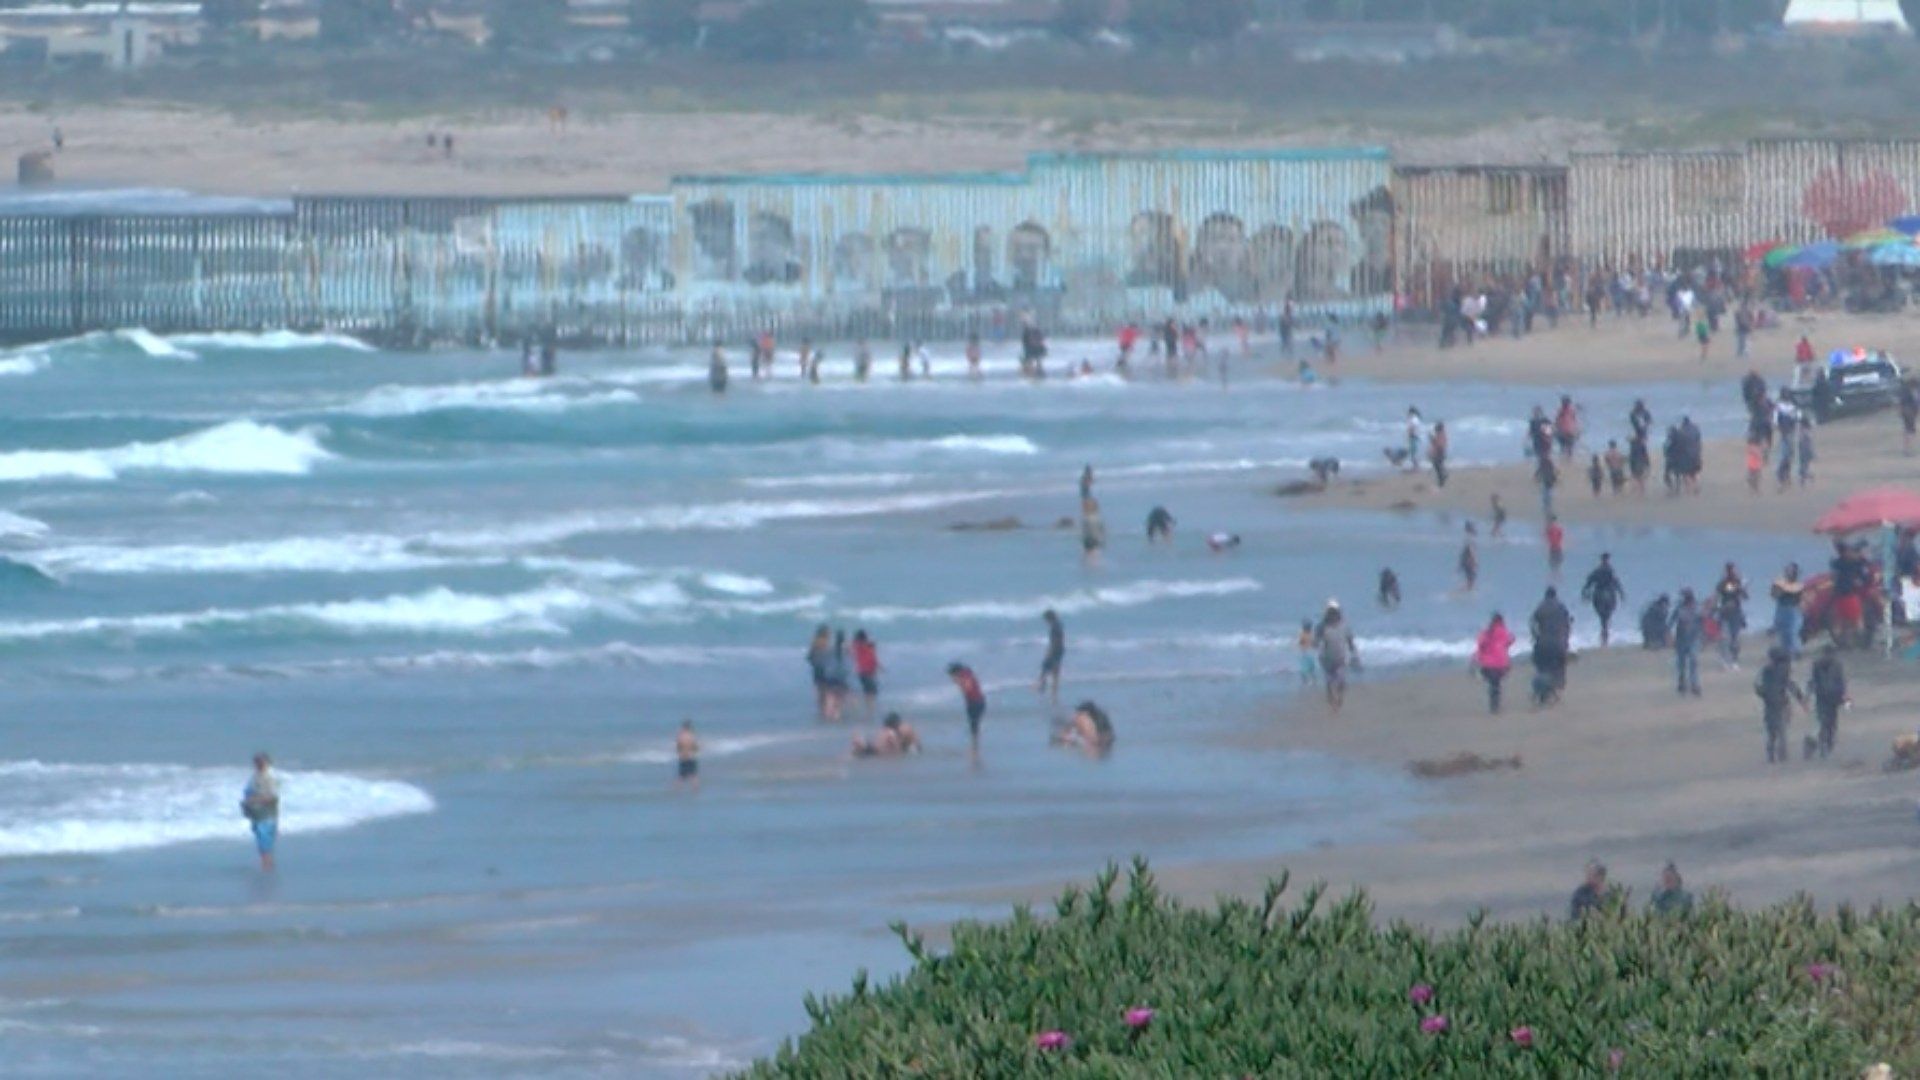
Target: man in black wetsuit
1604 591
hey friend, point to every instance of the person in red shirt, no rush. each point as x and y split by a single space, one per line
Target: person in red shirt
1803 352
974 697
1129 337
1556 544
866 666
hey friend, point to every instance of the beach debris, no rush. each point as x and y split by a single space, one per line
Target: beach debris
1906 754
1295 488
1462 764
1005 524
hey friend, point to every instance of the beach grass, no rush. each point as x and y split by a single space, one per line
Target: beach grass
1120 980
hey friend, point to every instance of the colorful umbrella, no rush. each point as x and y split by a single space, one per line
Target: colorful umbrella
1900 254
1814 256
1779 256
1762 250
1870 509
1873 238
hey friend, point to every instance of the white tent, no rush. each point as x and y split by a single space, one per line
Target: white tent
1846 16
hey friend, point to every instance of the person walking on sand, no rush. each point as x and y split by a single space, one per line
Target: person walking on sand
1049 683
1689 631
1803 447
1604 591
1416 434
1547 476
1552 630
1493 658
1469 562
1787 591
1730 611
1828 683
1566 427
1777 692
1338 653
973 697
260 805
1616 463
1437 447
1499 511
686 751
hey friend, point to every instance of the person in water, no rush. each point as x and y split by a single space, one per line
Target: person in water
866 667
1499 516
973 697
1309 662
717 369
1049 683
1222 542
260 805
1090 730
1469 562
1389 588
1338 653
836 674
896 738
862 360
1159 526
973 357
1093 530
686 751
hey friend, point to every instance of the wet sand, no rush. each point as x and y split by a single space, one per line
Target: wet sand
1625 771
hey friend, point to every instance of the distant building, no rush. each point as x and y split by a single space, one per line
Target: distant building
1846 17
118 36
1365 42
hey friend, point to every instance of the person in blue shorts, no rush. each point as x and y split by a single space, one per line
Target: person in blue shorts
260 804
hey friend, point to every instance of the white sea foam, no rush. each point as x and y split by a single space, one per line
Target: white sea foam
727 746
267 341
25 364
833 480
59 809
521 395
1133 594
723 516
1018 445
153 344
736 584
19 527
238 447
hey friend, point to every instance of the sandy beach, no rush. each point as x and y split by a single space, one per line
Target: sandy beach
1850 454
520 152
1623 770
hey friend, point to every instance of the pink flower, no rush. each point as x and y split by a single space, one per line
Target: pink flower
1420 993
1139 1017
1522 1037
1819 972
1615 1059
1053 1040
1433 1025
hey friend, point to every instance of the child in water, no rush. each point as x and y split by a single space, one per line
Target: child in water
1309 666
1307 376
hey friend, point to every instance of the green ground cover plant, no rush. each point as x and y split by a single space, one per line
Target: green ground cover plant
1120 980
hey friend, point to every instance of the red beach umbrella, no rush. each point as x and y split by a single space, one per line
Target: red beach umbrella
1759 251
1870 509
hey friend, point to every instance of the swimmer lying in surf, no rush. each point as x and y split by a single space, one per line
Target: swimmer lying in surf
896 738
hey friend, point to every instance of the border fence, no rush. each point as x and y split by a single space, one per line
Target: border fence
1079 242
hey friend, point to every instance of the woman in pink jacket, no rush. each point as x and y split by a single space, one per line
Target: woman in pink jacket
1492 657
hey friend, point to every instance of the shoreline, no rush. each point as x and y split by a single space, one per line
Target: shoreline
1623 770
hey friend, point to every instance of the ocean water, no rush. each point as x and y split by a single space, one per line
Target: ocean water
466 612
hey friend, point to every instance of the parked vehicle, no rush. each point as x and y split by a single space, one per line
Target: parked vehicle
1847 385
